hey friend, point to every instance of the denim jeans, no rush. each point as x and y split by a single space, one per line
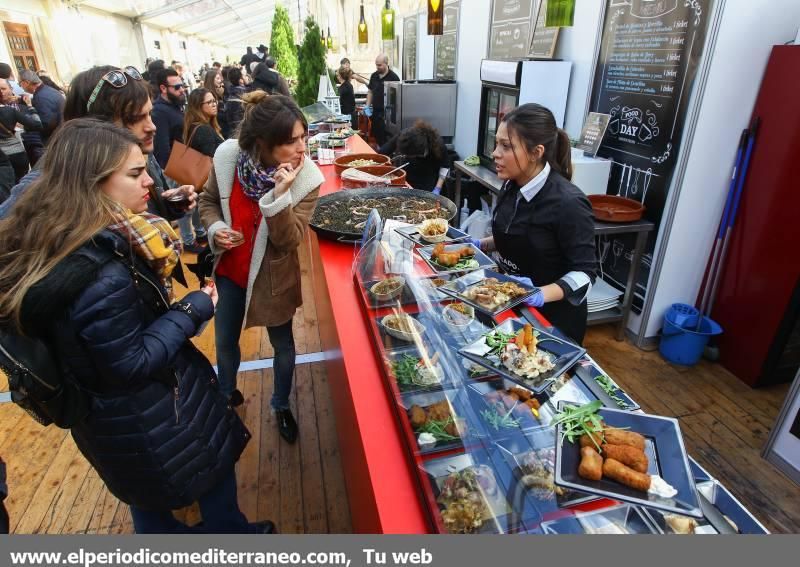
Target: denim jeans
218 507
228 329
191 228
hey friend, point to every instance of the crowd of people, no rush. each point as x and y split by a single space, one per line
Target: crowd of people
89 251
89 254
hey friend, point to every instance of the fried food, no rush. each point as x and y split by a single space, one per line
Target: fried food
586 441
615 470
680 524
591 467
614 436
417 416
627 455
440 411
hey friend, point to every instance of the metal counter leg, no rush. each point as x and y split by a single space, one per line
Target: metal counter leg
457 198
630 288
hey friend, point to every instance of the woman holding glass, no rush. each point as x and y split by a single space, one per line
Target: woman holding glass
256 205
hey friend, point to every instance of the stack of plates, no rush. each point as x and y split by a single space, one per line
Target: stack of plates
603 296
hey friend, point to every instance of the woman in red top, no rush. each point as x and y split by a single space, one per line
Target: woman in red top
256 206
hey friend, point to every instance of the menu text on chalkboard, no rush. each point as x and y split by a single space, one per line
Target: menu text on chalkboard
544 40
446 45
648 61
510 32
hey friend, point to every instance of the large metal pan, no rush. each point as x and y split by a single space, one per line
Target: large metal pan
372 193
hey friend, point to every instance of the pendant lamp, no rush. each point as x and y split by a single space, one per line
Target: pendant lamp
363 36
322 38
387 22
330 38
435 17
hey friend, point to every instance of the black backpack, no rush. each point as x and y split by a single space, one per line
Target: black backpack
37 383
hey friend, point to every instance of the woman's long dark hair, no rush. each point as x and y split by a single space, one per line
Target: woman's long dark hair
535 125
269 118
124 104
195 116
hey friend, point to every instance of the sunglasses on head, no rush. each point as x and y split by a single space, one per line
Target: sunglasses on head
117 78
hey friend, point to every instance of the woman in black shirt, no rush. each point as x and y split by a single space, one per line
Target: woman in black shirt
201 130
424 150
347 97
543 225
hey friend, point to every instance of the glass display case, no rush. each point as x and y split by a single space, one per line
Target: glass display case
480 439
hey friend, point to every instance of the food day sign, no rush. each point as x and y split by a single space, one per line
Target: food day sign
648 61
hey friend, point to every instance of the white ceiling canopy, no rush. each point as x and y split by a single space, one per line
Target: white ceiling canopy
231 23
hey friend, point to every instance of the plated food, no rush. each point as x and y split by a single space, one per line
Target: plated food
403 327
537 474
435 424
458 315
433 230
468 497
519 353
491 293
388 289
458 258
362 162
415 371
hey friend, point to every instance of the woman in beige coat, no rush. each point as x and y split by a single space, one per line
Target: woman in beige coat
256 206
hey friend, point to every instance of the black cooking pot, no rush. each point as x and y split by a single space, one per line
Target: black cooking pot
341 236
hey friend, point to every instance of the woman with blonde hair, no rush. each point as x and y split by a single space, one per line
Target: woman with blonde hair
201 130
87 270
256 205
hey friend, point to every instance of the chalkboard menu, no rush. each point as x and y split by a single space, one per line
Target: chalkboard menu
648 61
410 48
510 33
446 47
544 40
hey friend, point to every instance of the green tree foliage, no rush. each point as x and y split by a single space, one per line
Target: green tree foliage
312 64
281 46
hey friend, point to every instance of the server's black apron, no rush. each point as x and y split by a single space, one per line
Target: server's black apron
528 247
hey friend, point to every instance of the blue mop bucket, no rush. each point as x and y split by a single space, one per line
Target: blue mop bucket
681 344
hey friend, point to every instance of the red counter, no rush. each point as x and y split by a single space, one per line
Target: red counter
381 487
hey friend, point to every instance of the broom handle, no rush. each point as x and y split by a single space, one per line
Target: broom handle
715 251
734 211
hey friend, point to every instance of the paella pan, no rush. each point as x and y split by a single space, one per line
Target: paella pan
341 216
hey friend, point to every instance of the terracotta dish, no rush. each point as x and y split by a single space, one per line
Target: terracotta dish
610 208
342 162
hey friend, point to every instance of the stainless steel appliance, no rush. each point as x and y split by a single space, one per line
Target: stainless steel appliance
508 84
428 100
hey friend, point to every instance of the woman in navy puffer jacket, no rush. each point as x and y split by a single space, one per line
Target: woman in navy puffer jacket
83 266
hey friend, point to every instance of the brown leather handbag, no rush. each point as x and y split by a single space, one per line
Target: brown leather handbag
187 166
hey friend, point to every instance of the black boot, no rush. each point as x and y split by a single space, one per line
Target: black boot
287 426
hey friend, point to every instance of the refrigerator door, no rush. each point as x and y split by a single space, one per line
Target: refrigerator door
497 102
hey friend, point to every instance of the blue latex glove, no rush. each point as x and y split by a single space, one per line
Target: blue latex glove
368 111
476 243
535 300
436 190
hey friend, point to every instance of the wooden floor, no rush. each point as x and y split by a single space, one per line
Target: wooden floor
52 489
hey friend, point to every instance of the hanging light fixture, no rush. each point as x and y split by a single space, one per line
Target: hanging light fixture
387 22
435 17
330 38
322 38
363 36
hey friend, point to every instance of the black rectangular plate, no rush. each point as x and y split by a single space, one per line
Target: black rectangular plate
504 519
405 298
483 260
462 284
412 233
564 353
629 518
668 459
